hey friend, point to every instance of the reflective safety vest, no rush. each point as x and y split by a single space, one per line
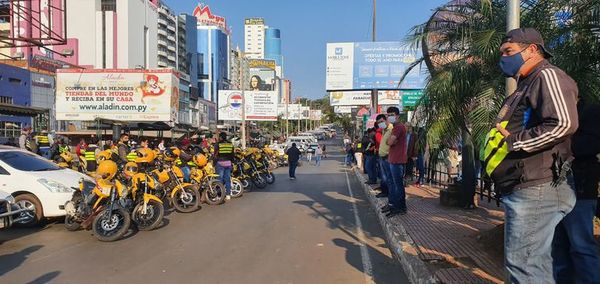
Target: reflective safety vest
359 146
63 149
90 154
190 163
225 148
132 156
495 149
28 143
43 140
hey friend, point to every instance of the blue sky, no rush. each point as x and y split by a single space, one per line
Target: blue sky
307 25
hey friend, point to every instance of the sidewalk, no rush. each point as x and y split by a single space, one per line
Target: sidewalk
432 240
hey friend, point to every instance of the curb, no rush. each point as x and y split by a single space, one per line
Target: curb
401 244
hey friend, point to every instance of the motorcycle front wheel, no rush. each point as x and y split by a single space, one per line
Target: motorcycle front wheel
187 200
214 194
259 181
237 189
269 177
71 224
150 220
111 229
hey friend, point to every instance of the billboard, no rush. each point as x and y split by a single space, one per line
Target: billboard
205 17
315 114
262 74
372 65
342 109
361 98
294 111
120 94
260 106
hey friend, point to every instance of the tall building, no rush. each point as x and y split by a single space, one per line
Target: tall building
273 48
239 65
187 55
254 38
113 34
214 45
167 43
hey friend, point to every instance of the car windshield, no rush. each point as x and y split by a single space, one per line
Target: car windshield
27 162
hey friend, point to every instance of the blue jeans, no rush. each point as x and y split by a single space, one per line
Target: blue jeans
225 176
397 195
45 152
531 215
386 178
348 159
318 160
574 250
292 167
370 167
421 168
186 173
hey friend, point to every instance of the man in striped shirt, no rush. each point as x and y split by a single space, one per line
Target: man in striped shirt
528 153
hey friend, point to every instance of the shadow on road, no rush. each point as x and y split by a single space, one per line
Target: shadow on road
8 262
46 278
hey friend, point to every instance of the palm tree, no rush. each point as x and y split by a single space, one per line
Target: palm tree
466 88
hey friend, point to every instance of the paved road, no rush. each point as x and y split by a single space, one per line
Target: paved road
309 230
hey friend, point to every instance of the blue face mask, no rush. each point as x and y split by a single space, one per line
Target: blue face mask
511 65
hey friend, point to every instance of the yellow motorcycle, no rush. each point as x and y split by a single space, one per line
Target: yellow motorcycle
148 210
185 197
98 205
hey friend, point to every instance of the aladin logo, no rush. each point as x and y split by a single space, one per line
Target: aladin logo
153 87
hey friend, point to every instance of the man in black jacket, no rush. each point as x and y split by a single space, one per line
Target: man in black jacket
527 152
293 158
575 253
370 157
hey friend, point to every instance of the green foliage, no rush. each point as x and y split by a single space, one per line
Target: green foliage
460 45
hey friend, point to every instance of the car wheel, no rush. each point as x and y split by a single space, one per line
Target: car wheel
33 217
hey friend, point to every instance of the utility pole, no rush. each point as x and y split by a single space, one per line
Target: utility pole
374 92
513 21
242 59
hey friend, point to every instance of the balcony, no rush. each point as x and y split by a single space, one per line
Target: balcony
171 38
171 27
162 42
172 58
162 53
162 32
171 47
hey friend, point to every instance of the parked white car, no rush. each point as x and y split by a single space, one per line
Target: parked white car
9 211
36 184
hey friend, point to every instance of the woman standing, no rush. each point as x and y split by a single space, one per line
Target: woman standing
318 154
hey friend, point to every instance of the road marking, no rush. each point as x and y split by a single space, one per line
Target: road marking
364 253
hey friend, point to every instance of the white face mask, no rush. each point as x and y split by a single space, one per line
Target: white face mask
392 119
382 125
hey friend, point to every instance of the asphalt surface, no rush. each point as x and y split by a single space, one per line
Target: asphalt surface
309 230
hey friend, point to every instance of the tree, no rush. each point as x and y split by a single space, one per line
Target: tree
466 88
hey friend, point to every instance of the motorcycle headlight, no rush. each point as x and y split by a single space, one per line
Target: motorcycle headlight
55 187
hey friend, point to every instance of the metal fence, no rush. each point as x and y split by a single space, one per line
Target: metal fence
437 175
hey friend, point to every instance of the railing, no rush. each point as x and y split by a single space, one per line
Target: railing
435 175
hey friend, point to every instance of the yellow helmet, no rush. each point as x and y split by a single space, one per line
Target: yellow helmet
104 155
130 169
200 160
172 153
145 155
107 170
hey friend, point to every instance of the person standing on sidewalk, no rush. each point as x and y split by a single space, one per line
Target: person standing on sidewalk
384 150
370 158
293 158
380 120
528 152
397 160
575 252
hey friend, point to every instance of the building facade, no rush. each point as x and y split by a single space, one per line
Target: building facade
113 34
273 45
239 65
166 38
254 38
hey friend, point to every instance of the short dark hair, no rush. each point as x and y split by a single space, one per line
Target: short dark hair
293 144
123 135
393 110
380 116
370 130
223 135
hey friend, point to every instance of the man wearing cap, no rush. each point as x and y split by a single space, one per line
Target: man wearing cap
527 154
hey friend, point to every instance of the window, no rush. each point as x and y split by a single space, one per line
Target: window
10 129
6 100
14 80
108 5
4 172
28 162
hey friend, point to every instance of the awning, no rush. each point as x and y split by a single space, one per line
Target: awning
17 110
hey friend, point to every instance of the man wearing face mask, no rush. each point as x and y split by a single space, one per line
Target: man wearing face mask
384 151
527 154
